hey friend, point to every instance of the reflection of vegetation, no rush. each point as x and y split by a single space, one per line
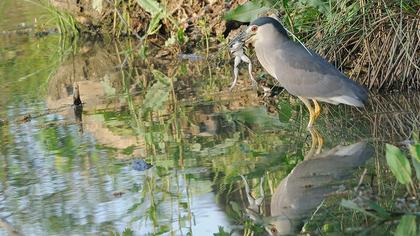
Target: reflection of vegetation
408 207
30 61
66 23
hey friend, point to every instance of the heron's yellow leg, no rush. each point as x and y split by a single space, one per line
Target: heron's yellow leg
317 109
316 144
310 109
320 141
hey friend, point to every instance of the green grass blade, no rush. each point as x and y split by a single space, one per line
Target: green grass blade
151 6
415 158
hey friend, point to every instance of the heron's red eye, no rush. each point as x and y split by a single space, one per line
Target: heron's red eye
254 28
273 230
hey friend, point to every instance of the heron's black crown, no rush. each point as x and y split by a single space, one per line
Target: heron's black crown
270 20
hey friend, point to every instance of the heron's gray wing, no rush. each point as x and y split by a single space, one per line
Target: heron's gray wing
309 75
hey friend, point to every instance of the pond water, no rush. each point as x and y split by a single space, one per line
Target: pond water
69 171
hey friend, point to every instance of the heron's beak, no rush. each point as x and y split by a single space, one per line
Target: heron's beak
245 37
239 38
249 36
250 39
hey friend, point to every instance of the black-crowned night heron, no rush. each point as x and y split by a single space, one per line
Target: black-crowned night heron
301 71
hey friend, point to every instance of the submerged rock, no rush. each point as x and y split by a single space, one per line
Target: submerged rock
140 165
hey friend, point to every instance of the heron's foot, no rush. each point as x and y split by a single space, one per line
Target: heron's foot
317 143
312 116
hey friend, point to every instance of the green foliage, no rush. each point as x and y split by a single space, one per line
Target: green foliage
319 5
181 36
128 150
285 111
407 226
415 158
237 210
128 232
156 95
151 6
248 11
157 13
222 232
257 116
398 163
66 23
401 169
177 37
352 205
154 24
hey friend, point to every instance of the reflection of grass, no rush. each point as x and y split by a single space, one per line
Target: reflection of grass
403 208
30 60
66 23
34 64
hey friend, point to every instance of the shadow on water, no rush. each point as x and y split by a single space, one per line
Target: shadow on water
70 170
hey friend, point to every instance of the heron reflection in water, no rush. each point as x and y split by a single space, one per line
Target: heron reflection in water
300 193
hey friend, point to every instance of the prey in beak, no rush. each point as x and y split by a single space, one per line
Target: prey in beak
246 37
236 48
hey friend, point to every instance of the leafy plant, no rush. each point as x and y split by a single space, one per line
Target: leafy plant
415 158
401 170
248 11
407 226
157 13
400 165
222 232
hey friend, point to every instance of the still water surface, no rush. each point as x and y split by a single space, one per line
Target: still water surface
67 171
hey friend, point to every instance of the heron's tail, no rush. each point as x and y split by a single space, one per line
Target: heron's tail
357 95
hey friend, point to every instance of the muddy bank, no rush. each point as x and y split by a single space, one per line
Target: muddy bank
361 39
128 17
